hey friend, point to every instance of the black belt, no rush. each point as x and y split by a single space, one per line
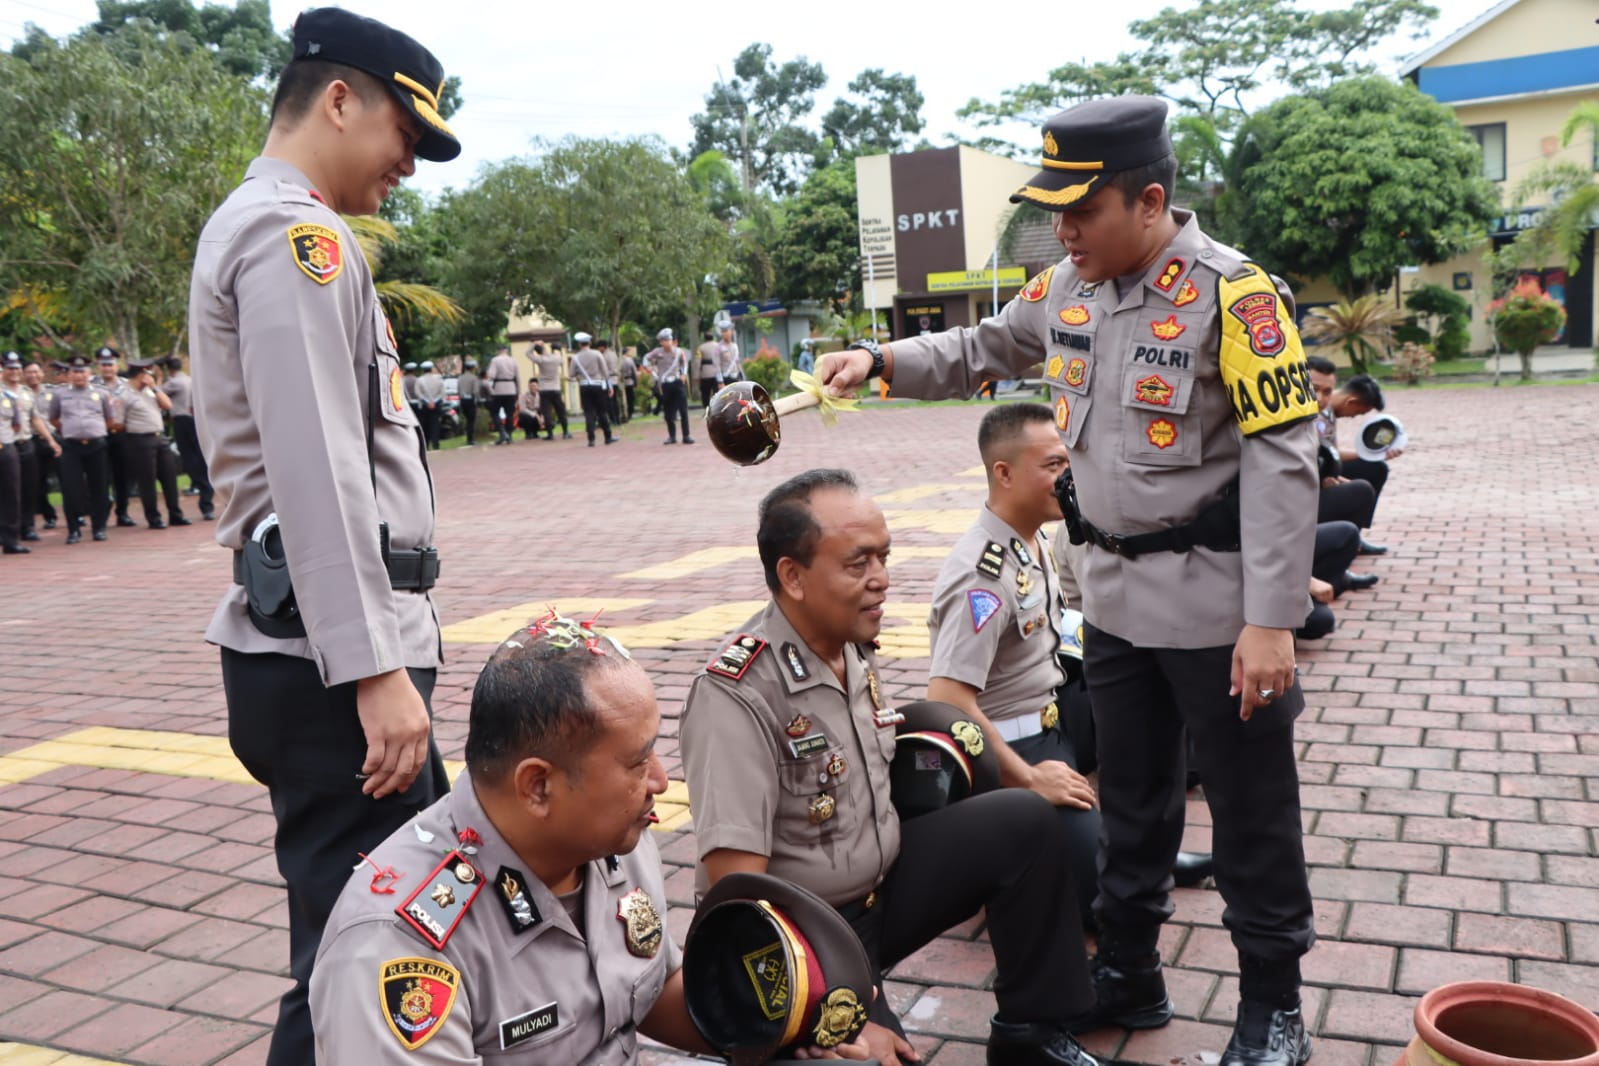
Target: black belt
1175 539
857 909
410 569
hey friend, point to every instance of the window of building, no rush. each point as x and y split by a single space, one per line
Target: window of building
1492 140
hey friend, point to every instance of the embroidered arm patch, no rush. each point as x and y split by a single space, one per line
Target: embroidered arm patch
317 251
416 996
1262 360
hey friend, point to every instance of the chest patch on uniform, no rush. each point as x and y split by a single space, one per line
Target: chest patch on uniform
1063 413
641 923
1161 433
1168 330
734 662
1080 342
1170 273
1261 360
1075 316
396 389
1056 365
1186 295
1155 390
511 887
416 995
984 605
441 900
992 561
527 1025
317 251
1036 289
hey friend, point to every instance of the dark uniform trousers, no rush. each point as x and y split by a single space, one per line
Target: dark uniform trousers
28 452
469 419
146 463
192 458
1337 545
595 410
1142 700
429 417
48 464
1352 501
85 469
501 410
1071 741
1372 471
10 496
552 405
119 474
1001 851
674 404
304 742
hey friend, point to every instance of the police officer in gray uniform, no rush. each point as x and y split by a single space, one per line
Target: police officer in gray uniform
593 388
1180 389
11 420
117 444
330 640
466 390
83 417
142 406
180 390
35 445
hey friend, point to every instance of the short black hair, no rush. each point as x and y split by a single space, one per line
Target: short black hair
530 702
1364 388
304 79
1005 422
786 527
1321 364
1132 183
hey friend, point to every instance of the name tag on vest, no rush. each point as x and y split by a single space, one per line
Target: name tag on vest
525 1027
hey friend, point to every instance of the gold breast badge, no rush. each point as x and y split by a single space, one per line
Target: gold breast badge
822 809
641 922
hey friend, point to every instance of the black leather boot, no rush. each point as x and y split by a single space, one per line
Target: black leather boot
1129 987
1266 1035
1034 1044
1191 868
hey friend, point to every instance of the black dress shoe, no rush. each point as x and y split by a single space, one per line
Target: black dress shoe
158 523
1367 548
1266 1036
29 534
15 549
73 536
125 522
610 440
182 520
1191 868
672 440
1360 581
1034 1044
49 523
688 440
99 534
209 516
1133 997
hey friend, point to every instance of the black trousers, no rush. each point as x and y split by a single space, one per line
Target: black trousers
192 459
119 474
1372 471
1143 698
708 387
85 469
613 405
469 419
595 410
143 454
28 486
1072 736
48 465
304 742
501 409
552 405
674 405
429 417
1337 545
1003 851
1353 501
632 401
10 496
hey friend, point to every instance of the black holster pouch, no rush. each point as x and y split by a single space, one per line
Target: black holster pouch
264 572
1066 494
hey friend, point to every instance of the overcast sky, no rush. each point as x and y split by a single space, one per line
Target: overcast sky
626 67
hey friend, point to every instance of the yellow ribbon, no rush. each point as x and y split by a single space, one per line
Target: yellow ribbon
827 404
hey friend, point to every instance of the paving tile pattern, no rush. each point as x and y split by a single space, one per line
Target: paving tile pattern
1449 755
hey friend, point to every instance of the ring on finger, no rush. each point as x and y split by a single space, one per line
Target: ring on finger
1266 693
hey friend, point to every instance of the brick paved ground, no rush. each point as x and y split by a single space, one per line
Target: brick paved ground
1450 759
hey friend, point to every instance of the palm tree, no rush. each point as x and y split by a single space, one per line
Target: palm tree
401 298
1566 227
1363 327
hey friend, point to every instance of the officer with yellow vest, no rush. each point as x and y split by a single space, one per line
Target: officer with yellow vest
1179 386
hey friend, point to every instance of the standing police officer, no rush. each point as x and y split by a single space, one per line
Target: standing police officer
1181 392
668 364
593 388
466 389
330 641
142 406
35 445
502 393
551 366
39 393
83 418
11 419
116 441
180 390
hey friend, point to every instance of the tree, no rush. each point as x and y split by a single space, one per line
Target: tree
756 119
242 36
1564 229
1362 327
1444 319
818 254
594 232
113 152
1525 318
886 116
1355 181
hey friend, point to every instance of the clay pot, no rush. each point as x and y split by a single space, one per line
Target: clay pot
1490 1023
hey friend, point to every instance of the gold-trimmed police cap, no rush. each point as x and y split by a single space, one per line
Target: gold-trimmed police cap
1086 144
941 756
410 71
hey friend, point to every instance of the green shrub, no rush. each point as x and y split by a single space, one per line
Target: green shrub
771 373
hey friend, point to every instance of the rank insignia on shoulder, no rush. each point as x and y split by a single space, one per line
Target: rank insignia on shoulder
317 251
441 900
735 660
514 897
796 665
416 996
1023 556
992 561
1170 273
642 923
984 605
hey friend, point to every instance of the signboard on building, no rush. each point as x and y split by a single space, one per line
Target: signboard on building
877 237
966 280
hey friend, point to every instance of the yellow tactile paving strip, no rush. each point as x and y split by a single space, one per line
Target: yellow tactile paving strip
950 520
917 492
495 626
692 563
29 1055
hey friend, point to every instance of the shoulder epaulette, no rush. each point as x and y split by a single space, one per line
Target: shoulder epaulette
992 562
735 660
441 900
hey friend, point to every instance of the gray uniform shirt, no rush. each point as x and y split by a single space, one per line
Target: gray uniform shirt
430 387
724 358
83 414
1150 426
25 400
141 413
665 365
10 417
985 631
551 366
283 353
553 992
588 366
502 376
765 754
178 389
466 386
613 366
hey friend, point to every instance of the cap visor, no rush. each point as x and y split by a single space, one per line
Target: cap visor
1056 190
437 143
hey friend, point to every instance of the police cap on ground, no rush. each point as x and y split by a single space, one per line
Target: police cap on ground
13 361
941 756
768 965
410 71
107 354
1086 144
664 335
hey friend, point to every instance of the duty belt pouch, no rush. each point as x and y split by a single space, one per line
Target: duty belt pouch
267 588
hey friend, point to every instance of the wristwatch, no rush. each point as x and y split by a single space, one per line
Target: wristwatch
876 351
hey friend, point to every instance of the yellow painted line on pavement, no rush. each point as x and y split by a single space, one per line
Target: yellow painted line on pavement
31 1055
951 520
692 563
917 492
495 626
708 623
973 471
